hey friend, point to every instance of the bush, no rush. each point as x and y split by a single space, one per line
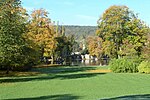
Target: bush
124 65
144 67
24 62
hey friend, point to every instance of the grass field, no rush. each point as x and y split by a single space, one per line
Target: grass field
75 83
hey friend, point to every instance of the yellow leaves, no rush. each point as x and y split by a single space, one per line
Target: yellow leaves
94 46
40 13
42 31
12 11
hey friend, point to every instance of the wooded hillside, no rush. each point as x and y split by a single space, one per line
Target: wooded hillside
80 31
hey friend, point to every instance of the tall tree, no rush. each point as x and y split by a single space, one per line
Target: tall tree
64 47
12 27
42 32
116 25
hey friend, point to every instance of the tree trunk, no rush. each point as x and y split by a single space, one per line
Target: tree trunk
7 72
52 59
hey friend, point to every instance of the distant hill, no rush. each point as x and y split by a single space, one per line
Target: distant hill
80 31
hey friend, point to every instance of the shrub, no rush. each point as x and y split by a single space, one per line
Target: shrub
24 62
124 65
144 67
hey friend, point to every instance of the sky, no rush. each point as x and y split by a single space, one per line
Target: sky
85 12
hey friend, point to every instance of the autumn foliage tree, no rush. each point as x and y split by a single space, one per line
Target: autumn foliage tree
119 29
95 46
42 32
12 28
46 37
146 49
137 35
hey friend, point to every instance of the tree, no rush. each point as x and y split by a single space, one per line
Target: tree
95 46
64 47
146 49
42 32
137 34
117 26
12 28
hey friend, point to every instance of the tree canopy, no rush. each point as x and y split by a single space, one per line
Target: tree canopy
118 26
42 32
12 28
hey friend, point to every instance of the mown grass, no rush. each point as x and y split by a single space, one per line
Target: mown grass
75 83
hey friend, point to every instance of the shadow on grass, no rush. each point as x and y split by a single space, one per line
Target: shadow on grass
131 97
62 77
53 97
47 70
18 74
62 69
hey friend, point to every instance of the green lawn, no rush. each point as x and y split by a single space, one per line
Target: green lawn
75 83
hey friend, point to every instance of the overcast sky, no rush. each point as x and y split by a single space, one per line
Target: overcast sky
85 12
